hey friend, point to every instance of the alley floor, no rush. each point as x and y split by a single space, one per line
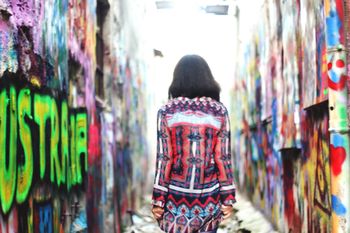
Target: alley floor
247 219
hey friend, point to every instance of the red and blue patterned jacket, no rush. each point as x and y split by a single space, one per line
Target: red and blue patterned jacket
193 167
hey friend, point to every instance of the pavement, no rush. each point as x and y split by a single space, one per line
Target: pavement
246 219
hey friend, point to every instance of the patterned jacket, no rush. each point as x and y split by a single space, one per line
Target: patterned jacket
193 167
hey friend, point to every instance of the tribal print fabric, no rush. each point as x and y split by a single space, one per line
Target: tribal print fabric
194 169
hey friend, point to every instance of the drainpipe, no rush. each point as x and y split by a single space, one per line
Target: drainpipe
338 119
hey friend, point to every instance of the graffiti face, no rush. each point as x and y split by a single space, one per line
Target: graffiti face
28 116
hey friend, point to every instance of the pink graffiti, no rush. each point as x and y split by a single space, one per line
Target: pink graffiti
23 12
94 143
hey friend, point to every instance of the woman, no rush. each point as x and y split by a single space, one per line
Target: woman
193 186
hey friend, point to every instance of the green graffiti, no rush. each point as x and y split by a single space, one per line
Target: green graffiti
59 135
4 100
65 145
55 161
8 160
41 115
325 91
3 122
81 142
73 150
25 171
342 111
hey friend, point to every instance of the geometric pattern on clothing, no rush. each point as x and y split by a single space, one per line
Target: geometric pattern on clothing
189 219
194 211
191 202
194 165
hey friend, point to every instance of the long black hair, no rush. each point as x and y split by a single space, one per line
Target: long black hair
193 78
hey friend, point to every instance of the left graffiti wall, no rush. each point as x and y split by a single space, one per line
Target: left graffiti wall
47 69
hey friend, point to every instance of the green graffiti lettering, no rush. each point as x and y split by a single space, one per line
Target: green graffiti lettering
54 160
81 143
3 122
25 120
25 171
8 173
72 150
65 145
41 114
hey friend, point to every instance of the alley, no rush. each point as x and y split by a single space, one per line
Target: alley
82 148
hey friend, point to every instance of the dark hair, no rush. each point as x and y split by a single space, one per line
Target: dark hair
193 78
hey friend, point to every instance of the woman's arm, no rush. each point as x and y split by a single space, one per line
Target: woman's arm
163 162
223 162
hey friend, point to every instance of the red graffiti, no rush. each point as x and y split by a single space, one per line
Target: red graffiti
290 206
94 142
340 63
330 65
338 155
338 85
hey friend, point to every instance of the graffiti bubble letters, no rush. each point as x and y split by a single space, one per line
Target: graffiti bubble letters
40 139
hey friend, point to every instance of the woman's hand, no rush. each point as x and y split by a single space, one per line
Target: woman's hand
157 212
227 210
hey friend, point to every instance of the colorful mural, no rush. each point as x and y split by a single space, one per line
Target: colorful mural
314 189
9 60
66 154
38 160
339 124
25 119
54 42
292 163
308 46
290 103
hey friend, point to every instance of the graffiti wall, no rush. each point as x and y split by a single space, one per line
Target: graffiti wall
132 159
67 160
281 137
43 156
122 163
44 124
290 103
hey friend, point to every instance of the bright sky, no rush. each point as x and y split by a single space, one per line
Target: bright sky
182 31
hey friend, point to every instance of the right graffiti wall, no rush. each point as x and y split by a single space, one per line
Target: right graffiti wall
290 137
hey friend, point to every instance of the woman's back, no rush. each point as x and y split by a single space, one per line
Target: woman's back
194 173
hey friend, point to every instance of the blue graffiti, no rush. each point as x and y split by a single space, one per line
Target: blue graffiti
337 140
333 26
338 206
79 224
255 150
45 213
333 76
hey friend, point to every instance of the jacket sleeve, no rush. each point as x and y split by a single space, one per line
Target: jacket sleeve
224 164
163 161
